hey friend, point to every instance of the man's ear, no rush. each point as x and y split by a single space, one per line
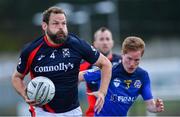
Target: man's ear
44 25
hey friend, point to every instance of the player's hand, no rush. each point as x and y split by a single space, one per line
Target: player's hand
27 100
30 102
100 100
159 105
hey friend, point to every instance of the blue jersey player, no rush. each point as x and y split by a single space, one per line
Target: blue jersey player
57 55
127 83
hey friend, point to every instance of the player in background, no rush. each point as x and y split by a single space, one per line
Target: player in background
127 83
102 41
57 55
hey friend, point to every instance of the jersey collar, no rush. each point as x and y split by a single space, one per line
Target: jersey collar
50 44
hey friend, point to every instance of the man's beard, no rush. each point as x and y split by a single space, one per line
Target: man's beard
58 38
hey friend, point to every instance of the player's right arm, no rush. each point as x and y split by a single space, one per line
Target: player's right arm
22 68
20 87
18 84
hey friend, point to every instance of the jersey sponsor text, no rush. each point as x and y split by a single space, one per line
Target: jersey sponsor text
59 67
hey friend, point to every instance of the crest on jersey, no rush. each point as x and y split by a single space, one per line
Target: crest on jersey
137 84
116 82
65 52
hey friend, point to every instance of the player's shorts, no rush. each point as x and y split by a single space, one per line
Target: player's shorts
39 112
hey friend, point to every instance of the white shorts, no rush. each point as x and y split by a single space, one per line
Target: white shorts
39 112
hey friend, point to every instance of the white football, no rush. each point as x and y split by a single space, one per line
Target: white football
41 89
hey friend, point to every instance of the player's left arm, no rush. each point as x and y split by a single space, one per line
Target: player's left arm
152 105
155 105
106 70
91 55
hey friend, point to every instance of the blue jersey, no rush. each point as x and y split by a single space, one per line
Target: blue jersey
61 65
123 89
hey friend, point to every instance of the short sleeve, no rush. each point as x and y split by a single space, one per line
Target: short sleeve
92 75
87 51
146 87
22 66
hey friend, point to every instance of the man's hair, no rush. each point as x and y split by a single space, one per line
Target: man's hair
101 29
47 13
133 43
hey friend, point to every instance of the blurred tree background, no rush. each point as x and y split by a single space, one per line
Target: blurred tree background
156 21
145 18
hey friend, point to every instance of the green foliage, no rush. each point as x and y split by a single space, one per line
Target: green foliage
9 42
